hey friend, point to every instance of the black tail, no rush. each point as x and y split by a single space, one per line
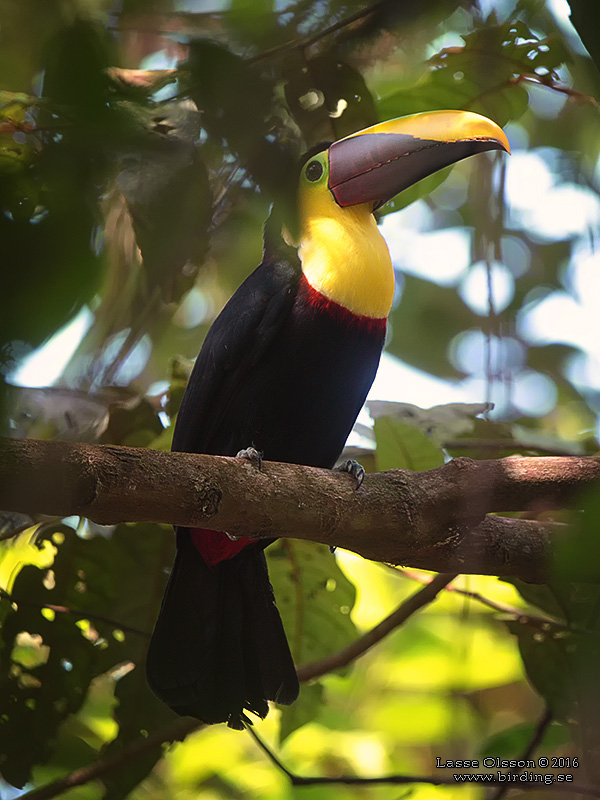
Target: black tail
219 646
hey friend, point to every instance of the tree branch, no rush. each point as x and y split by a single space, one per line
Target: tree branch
523 616
432 520
360 646
175 732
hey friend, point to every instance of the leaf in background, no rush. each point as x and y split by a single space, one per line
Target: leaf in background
49 216
46 669
304 710
50 265
329 99
549 666
55 412
80 737
579 553
514 740
547 442
487 439
76 71
137 712
233 98
16 153
401 446
117 581
440 423
315 599
585 17
574 601
135 425
480 75
144 552
237 104
563 666
168 196
254 22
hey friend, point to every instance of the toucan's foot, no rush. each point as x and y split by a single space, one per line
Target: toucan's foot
353 468
358 473
253 455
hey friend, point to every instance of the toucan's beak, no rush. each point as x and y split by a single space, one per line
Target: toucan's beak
377 163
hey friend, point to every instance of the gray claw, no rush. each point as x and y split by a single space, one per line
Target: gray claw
353 468
251 454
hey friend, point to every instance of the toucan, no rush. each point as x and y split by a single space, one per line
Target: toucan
285 369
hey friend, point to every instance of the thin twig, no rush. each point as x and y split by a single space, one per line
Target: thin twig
538 620
537 737
434 780
299 780
306 41
360 646
90 615
176 731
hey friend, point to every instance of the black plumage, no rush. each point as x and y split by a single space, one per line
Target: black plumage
286 371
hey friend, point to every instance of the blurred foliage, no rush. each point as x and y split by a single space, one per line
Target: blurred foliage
136 198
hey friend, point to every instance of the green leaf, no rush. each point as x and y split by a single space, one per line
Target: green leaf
480 75
579 553
401 446
304 710
572 602
113 587
76 65
138 712
511 741
315 599
549 665
440 423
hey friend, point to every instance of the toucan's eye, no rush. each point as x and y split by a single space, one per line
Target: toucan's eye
314 171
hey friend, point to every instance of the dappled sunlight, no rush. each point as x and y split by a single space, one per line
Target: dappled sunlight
475 288
149 162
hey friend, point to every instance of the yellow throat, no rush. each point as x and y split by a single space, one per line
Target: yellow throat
343 255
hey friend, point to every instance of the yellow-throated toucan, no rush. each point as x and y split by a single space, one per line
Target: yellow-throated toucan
285 368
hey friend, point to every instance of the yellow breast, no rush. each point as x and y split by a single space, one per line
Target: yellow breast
343 255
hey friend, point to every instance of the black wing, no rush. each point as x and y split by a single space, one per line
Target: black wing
234 344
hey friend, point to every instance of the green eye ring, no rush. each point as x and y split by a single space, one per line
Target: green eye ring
314 171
